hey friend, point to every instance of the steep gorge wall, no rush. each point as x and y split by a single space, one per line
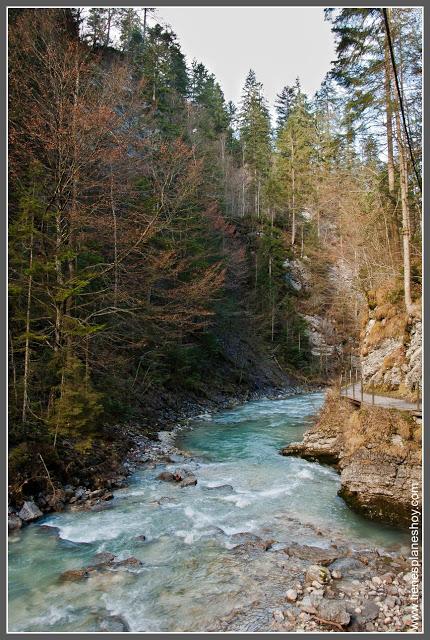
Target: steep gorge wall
391 346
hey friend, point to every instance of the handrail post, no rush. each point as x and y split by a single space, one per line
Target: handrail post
361 385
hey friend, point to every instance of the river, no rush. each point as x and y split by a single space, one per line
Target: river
189 577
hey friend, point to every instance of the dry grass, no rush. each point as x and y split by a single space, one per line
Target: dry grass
387 430
393 327
394 359
385 311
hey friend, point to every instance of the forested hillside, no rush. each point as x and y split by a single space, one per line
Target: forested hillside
165 244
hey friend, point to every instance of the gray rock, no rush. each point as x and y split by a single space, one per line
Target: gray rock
291 595
334 611
310 603
96 494
114 624
166 476
221 487
316 555
14 522
69 490
29 512
345 565
129 562
100 506
318 574
80 493
102 558
369 611
245 536
189 481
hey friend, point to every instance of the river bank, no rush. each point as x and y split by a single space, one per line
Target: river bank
377 452
117 456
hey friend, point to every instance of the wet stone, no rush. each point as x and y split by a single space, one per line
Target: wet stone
29 512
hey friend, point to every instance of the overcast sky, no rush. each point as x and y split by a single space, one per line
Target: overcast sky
279 43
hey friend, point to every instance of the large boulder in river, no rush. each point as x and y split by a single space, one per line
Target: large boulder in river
29 512
166 476
74 575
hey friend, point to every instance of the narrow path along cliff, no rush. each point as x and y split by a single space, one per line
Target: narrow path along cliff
353 392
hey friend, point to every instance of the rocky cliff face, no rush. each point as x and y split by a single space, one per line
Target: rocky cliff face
377 452
391 347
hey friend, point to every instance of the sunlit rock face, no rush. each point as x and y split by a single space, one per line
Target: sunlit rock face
391 349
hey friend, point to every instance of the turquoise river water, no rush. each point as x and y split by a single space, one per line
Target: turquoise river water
188 576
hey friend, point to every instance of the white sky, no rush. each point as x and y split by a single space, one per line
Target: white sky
279 43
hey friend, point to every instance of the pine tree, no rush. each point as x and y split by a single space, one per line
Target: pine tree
130 25
283 105
165 79
255 135
96 26
295 157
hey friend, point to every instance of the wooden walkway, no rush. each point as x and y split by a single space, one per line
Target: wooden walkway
354 394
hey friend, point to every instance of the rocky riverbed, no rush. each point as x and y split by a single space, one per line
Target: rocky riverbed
339 586
286 573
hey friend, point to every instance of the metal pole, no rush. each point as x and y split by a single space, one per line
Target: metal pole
418 398
353 390
361 385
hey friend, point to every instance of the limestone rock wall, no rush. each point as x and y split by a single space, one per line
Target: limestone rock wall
391 348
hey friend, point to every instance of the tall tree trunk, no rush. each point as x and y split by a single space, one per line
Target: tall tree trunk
403 171
406 231
389 116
